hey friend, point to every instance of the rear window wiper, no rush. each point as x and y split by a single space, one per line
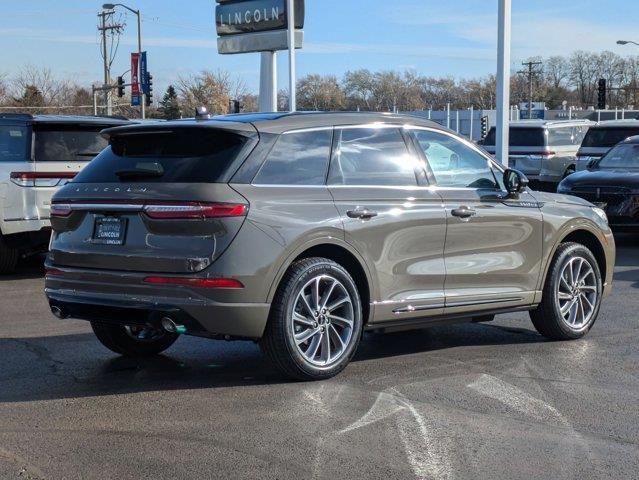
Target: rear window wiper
87 154
142 170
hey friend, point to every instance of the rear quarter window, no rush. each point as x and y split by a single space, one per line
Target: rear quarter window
188 156
519 137
298 158
14 143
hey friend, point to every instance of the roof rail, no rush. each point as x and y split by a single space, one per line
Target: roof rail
21 116
115 117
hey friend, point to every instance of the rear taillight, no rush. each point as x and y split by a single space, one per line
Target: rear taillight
41 179
196 282
189 210
60 210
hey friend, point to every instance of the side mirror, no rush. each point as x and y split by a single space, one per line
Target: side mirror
591 163
515 181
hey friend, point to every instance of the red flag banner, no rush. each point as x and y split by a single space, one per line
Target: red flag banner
135 80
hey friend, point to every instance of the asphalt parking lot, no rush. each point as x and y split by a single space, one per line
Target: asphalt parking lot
467 401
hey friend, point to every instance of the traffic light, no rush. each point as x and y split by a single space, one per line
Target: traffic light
601 94
484 127
120 87
149 95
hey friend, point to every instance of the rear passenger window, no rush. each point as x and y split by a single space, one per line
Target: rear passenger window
299 158
372 156
561 136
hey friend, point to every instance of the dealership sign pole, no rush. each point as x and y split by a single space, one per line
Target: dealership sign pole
292 103
503 81
245 26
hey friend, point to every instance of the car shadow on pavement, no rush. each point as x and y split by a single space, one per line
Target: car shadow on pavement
29 268
76 366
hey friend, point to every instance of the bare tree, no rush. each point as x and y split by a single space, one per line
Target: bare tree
317 92
212 90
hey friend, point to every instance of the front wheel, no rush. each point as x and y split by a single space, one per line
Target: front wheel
571 296
316 320
134 340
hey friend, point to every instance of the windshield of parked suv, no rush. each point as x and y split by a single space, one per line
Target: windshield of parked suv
13 144
622 156
67 143
186 156
608 137
520 137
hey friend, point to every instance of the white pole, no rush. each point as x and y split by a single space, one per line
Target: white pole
291 56
457 121
448 115
598 116
472 113
268 82
503 79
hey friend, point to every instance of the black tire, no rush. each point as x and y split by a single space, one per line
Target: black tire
278 342
118 340
547 317
8 258
569 171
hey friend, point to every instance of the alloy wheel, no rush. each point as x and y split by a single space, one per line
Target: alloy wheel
322 320
577 293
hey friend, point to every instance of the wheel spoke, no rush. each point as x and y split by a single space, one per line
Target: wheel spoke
338 303
580 265
316 294
298 318
337 335
344 322
305 335
326 347
328 294
311 352
573 313
564 296
306 304
585 297
567 307
590 288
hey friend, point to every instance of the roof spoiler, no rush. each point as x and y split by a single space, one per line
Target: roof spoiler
17 116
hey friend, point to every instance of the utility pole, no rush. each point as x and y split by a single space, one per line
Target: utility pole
531 72
104 28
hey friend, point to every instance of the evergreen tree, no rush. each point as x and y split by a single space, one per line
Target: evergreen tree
170 105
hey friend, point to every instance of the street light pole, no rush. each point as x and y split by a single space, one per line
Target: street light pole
111 6
292 99
503 81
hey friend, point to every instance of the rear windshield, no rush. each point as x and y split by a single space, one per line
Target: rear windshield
520 137
67 143
608 137
14 143
187 156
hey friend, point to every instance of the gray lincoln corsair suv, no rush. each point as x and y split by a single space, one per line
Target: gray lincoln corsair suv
301 231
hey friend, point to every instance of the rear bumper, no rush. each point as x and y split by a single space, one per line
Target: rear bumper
129 302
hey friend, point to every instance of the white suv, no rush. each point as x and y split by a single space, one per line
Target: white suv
39 153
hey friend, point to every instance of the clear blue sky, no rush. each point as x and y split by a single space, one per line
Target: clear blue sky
456 37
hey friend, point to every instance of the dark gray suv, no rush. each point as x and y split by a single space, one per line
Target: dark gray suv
301 231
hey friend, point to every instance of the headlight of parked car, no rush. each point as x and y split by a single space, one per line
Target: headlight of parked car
601 214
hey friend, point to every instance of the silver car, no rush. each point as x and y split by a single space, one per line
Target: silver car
546 151
302 231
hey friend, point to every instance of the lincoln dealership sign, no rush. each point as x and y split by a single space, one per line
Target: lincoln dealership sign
256 25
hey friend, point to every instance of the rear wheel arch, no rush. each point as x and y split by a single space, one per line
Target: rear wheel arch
342 255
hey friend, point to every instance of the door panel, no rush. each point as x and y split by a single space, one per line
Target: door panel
493 258
493 244
403 246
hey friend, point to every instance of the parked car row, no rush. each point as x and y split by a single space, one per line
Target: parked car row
604 155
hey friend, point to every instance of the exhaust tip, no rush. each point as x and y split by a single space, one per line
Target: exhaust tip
170 326
58 312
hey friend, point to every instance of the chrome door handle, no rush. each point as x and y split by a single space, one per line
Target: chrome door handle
463 212
362 213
